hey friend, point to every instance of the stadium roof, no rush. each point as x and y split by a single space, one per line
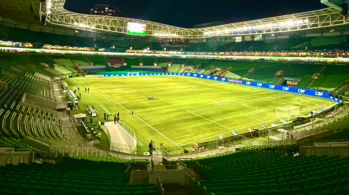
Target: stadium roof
31 10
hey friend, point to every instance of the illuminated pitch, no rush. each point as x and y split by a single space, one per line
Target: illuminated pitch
189 110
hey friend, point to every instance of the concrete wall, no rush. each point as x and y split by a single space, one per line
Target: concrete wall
49 104
37 143
9 156
168 176
295 141
326 148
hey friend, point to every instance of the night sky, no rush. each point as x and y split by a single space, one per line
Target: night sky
187 13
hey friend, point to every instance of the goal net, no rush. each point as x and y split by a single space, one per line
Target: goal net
133 74
287 112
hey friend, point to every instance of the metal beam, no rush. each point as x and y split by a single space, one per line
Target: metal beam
328 17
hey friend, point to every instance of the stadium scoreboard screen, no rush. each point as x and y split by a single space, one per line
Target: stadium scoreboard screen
136 28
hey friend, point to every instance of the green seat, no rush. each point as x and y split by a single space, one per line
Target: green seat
125 192
138 192
150 192
112 193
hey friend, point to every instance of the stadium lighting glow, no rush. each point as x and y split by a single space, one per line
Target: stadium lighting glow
141 64
155 64
306 21
281 24
164 34
125 64
290 23
136 28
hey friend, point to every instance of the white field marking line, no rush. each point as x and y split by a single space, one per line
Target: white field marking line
209 120
242 97
130 89
253 118
156 86
216 84
260 112
227 104
133 114
225 132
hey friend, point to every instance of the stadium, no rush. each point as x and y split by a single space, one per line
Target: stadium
252 107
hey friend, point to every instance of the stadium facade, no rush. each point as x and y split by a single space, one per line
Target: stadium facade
60 71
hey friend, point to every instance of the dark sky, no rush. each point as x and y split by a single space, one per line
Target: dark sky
187 13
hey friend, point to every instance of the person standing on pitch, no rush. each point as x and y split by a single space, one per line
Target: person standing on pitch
85 90
151 147
105 116
88 89
78 88
115 119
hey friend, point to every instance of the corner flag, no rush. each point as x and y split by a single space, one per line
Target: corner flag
235 133
250 129
264 126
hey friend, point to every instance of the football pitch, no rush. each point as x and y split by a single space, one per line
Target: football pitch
189 110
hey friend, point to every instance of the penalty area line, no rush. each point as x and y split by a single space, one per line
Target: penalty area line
108 97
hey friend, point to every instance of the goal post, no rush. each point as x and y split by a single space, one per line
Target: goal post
287 112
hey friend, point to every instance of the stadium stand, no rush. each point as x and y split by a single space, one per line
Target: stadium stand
72 176
332 76
67 163
132 61
265 72
339 130
283 172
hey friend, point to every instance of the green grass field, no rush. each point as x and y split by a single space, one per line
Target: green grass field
188 109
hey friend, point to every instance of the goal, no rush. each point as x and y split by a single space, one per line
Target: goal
133 74
287 112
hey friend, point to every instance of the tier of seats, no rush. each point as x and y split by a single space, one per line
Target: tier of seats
331 77
71 176
271 170
340 130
